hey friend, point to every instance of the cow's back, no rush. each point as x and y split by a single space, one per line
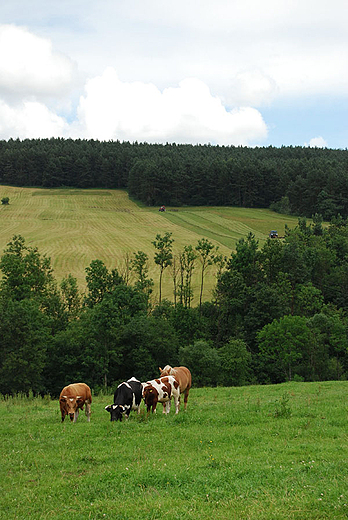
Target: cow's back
77 389
181 374
137 389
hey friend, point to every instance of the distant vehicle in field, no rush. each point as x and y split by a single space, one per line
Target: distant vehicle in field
162 208
273 234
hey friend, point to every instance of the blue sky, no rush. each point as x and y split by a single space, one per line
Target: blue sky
239 72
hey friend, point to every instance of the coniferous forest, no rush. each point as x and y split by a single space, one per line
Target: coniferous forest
278 312
297 180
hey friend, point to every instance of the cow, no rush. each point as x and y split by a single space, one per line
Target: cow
72 398
161 391
183 376
127 397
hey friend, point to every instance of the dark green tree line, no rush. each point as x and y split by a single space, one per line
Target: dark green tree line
298 180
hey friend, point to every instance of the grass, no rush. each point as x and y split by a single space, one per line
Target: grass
74 227
232 455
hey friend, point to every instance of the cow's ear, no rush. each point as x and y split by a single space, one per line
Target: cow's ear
80 400
108 408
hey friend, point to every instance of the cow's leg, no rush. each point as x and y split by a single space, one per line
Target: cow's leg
185 398
177 404
88 411
168 403
164 407
76 414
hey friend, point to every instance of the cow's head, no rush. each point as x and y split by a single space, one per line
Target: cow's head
150 394
116 411
166 371
71 404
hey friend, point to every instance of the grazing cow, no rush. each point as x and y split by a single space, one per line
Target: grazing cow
72 398
127 397
161 391
183 376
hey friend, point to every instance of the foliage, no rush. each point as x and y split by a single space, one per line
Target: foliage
24 346
283 408
186 265
163 255
100 282
279 312
300 180
139 264
203 360
72 299
26 274
235 361
282 344
5 200
206 254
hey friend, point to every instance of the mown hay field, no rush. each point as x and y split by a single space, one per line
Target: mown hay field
74 227
256 453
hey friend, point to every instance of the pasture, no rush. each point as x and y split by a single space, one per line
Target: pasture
74 227
271 452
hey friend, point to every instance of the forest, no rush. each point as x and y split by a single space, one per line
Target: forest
300 181
278 313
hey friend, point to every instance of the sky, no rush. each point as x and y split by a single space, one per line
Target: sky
224 72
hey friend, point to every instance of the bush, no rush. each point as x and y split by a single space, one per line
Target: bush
5 200
235 362
203 361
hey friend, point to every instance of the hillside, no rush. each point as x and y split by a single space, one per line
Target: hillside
75 226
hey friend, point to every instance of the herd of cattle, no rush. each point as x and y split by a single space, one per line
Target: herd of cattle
128 395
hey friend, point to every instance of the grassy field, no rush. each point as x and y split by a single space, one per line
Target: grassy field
74 227
270 452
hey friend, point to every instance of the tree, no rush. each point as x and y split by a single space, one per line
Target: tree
235 360
139 264
247 260
100 282
187 264
282 344
24 345
329 330
91 348
206 253
26 274
5 200
163 255
72 300
203 361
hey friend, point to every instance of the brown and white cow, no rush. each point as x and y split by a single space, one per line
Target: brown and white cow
72 398
183 376
161 390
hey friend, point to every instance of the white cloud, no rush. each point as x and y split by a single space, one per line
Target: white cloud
30 120
29 66
246 51
243 53
317 142
112 109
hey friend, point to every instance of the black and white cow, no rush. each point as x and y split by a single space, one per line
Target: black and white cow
127 397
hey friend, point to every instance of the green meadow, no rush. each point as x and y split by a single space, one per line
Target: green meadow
257 452
74 227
